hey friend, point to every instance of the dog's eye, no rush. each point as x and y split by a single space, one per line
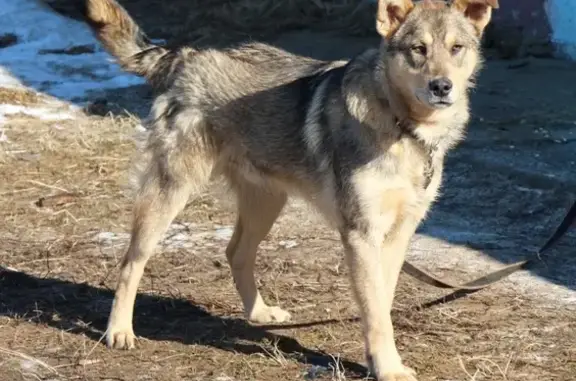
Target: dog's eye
419 49
456 49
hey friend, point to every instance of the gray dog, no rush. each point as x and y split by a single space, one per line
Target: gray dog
362 141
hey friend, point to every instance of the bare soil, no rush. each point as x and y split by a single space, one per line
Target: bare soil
66 188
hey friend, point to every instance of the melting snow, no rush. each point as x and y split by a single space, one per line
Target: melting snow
179 236
35 60
54 55
44 113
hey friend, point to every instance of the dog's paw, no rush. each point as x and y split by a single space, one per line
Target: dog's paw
120 338
407 374
404 376
391 371
269 314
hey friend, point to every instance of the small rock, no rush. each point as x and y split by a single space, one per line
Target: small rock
315 372
97 107
217 263
8 39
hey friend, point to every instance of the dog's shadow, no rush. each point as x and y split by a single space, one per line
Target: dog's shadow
83 309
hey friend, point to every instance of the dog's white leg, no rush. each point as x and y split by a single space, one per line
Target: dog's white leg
166 187
374 269
257 211
154 210
393 254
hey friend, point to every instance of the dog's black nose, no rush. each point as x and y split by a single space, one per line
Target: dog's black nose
440 87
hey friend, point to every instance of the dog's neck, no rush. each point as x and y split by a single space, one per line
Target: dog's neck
434 136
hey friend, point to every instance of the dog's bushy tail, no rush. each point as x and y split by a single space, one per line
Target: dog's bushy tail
123 38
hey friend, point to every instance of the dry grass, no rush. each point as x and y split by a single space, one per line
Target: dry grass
66 149
66 183
18 96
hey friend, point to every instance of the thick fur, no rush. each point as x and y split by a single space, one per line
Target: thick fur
363 141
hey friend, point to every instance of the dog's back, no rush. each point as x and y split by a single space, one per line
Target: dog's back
254 95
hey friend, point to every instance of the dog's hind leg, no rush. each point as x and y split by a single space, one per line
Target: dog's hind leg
258 208
161 197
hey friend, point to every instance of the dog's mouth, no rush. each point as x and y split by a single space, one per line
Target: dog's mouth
433 101
441 103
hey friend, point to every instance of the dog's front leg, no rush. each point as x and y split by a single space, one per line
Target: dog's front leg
374 269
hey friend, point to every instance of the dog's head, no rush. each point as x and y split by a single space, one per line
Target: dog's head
432 50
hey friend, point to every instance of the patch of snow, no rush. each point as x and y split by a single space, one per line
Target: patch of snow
288 244
140 128
43 113
29 366
109 238
178 236
33 62
3 137
224 233
178 241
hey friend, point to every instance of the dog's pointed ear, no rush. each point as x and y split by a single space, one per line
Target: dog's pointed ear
478 12
391 14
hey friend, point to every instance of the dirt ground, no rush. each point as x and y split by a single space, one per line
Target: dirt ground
66 207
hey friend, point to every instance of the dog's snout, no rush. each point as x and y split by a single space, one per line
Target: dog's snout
440 87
